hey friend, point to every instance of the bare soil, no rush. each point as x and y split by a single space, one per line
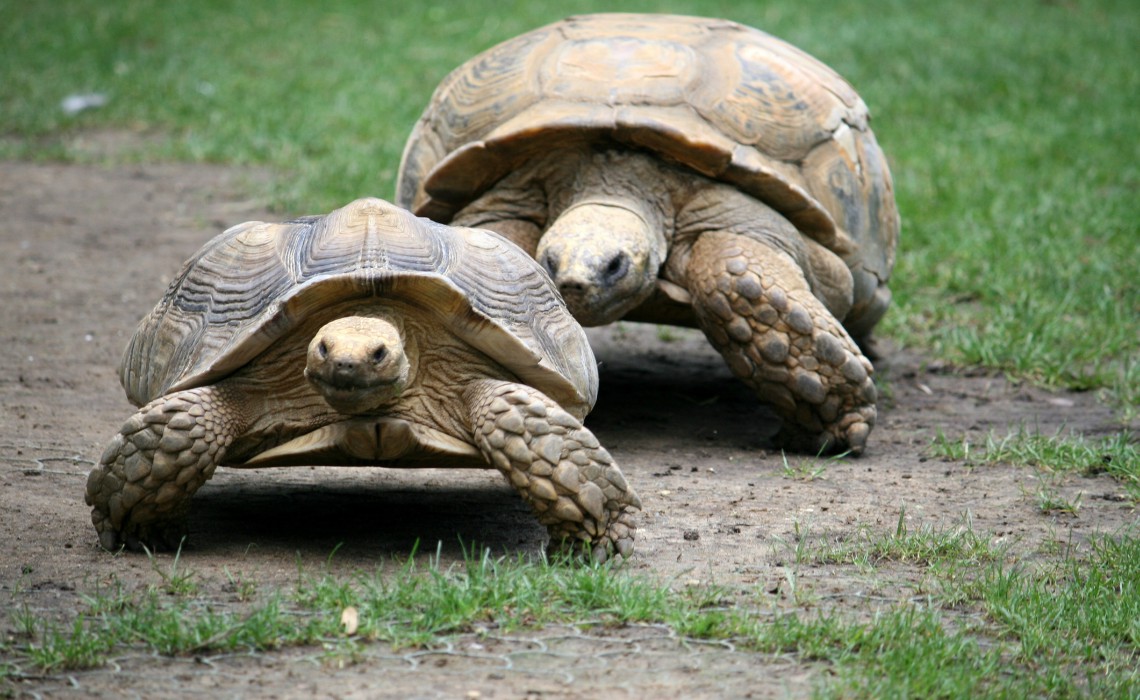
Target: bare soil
87 250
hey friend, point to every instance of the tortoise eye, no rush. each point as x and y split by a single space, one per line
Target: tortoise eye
616 268
550 264
379 355
322 350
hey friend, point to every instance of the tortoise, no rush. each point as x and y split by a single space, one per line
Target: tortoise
368 336
684 171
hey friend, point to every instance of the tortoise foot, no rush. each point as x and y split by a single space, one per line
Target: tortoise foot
616 542
140 491
756 308
558 467
848 436
157 536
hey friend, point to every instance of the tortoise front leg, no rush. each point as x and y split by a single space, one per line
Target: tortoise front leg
556 465
140 491
757 309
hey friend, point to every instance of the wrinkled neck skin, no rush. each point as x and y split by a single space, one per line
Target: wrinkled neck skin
611 222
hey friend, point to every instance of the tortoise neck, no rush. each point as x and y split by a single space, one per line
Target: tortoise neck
629 180
609 236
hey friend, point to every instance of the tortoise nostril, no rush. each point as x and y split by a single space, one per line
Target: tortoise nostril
571 286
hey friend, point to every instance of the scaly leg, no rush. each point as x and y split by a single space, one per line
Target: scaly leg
556 465
756 308
140 492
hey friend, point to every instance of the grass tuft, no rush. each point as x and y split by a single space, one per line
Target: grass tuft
927 546
1117 455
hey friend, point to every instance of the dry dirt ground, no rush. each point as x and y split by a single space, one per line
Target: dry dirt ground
86 251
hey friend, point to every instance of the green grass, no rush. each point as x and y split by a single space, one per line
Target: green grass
1069 629
414 606
927 546
807 468
1060 455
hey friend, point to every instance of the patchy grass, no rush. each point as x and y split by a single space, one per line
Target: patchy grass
1066 629
410 607
927 546
1117 455
806 468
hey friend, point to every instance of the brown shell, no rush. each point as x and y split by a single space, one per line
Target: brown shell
250 286
726 100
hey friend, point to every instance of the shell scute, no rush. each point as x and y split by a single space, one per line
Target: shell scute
619 70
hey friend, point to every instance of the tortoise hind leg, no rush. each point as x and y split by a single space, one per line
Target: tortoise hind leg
140 491
556 465
757 309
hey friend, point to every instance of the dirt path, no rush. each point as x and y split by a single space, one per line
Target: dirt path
86 251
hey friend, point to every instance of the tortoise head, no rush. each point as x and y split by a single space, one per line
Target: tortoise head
610 229
604 257
358 363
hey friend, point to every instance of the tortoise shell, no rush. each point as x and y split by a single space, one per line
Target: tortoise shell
725 100
250 286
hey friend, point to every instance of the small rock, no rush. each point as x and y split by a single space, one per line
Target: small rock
74 104
349 620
